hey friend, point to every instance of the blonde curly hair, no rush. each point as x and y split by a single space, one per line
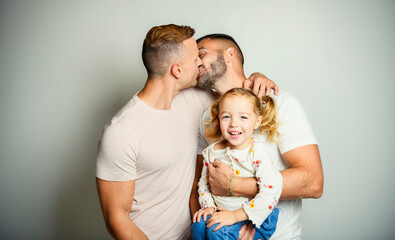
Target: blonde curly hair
264 106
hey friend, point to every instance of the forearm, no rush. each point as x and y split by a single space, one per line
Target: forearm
194 197
304 178
122 227
116 200
245 187
300 183
194 205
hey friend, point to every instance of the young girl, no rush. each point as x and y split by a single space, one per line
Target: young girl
234 117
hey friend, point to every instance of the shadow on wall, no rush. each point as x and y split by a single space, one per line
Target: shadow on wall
78 213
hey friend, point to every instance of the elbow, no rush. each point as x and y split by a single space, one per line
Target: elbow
317 189
317 192
115 224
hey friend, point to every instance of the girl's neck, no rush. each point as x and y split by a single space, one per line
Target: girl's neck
225 144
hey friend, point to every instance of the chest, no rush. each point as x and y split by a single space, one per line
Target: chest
167 142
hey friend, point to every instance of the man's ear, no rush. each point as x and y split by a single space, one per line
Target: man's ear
230 54
176 70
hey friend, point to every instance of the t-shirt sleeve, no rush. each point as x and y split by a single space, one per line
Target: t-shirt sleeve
295 130
202 140
116 158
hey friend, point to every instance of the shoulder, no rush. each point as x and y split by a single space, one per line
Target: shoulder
128 110
203 97
124 120
284 97
288 106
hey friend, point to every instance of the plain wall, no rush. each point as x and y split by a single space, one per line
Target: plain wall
67 67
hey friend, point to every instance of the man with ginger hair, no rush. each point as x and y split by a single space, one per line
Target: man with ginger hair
144 166
147 154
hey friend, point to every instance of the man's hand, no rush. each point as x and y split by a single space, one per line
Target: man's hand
260 84
247 232
218 177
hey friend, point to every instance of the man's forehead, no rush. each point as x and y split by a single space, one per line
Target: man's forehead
207 44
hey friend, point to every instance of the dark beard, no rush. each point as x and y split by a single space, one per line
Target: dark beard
216 72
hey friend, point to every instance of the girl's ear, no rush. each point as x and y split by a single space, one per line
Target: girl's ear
258 122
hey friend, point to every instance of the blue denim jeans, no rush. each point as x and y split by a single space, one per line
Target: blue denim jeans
201 232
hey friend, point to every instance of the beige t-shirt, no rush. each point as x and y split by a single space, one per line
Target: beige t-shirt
157 149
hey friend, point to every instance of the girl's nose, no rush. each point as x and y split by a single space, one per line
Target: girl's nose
233 123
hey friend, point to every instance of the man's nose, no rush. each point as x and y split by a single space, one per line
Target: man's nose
199 62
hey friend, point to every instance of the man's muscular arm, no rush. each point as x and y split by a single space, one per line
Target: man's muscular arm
116 200
303 179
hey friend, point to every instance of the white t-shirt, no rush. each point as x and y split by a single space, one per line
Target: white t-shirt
157 149
295 131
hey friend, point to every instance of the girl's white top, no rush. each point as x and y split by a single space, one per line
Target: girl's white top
253 161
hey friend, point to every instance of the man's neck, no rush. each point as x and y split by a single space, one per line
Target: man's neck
158 93
228 81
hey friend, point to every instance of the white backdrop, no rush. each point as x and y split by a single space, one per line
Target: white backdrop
66 68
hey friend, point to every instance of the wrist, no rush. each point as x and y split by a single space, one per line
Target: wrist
245 187
230 186
239 215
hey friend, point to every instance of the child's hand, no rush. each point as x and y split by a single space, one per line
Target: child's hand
223 217
205 212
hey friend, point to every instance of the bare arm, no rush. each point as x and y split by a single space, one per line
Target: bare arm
116 200
303 179
194 205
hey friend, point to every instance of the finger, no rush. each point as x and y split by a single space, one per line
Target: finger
211 223
216 163
212 220
257 85
242 232
195 215
205 216
210 168
218 227
247 83
199 215
276 90
269 88
272 86
247 232
262 91
252 234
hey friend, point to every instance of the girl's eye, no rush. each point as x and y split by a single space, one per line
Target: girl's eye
244 117
225 117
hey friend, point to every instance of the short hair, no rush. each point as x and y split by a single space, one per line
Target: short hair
161 45
227 40
264 106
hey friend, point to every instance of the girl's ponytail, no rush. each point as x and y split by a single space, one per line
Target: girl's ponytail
269 118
